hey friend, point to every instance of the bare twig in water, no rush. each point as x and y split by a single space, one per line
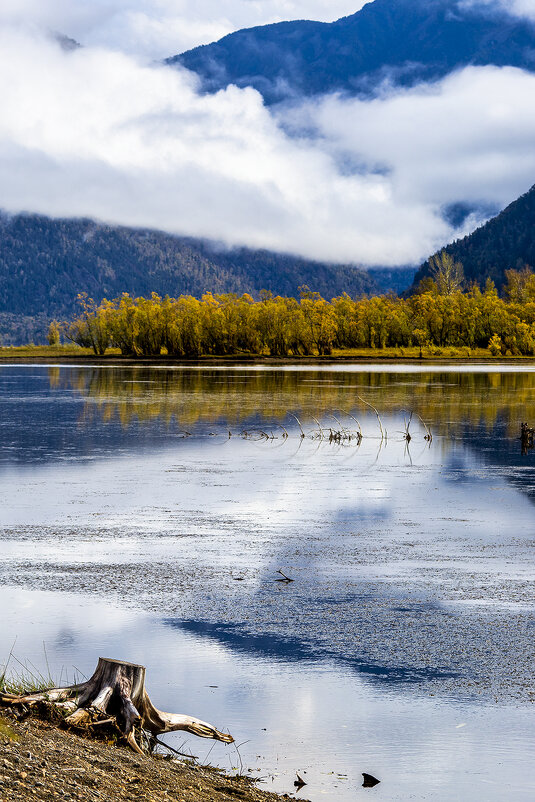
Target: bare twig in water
349 415
408 437
209 753
318 424
428 436
406 434
299 423
383 433
342 427
176 752
237 748
284 577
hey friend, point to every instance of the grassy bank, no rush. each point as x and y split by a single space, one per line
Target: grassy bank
46 352
57 353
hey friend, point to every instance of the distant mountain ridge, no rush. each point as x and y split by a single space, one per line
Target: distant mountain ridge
507 241
404 42
45 263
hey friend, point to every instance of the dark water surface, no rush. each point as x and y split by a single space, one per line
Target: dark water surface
134 526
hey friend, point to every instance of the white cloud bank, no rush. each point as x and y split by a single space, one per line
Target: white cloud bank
160 28
95 132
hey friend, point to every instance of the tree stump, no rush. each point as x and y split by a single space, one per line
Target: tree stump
116 694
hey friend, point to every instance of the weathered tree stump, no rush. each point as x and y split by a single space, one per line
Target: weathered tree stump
116 694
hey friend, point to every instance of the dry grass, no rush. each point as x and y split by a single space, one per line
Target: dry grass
29 351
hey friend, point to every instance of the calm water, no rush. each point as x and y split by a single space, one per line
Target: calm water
139 522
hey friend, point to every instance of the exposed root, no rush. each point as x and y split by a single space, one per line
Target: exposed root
114 695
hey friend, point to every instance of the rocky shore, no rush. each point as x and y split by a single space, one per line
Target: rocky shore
40 761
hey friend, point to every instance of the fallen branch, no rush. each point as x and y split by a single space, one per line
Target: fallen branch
284 577
175 751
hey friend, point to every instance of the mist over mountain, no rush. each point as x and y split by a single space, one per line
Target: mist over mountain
45 263
357 171
392 42
377 180
507 241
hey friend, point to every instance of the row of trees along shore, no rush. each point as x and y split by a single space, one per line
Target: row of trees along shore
441 314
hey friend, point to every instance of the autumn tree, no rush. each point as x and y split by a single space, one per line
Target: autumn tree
91 329
53 333
447 274
320 320
520 285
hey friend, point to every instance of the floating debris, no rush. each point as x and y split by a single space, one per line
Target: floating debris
284 577
299 783
369 780
527 435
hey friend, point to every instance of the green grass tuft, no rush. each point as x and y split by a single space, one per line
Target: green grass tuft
25 678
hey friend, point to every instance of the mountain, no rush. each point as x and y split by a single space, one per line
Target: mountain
392 279
506 241
403 42
45 263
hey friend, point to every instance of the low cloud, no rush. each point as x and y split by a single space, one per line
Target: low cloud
97 133
467 138
519 8
161 28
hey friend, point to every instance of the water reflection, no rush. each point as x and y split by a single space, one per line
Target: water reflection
413 567
314 718
296 650
92 412
234 396
361 538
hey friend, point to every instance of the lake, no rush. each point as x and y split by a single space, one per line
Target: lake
146 512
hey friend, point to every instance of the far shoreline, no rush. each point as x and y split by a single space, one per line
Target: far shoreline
58 355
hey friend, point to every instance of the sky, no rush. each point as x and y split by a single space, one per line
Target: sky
160 28
107 132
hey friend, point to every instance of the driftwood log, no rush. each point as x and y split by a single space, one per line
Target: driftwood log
115 694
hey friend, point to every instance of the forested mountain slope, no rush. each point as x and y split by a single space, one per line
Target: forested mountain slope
506 241
401 41
45 263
